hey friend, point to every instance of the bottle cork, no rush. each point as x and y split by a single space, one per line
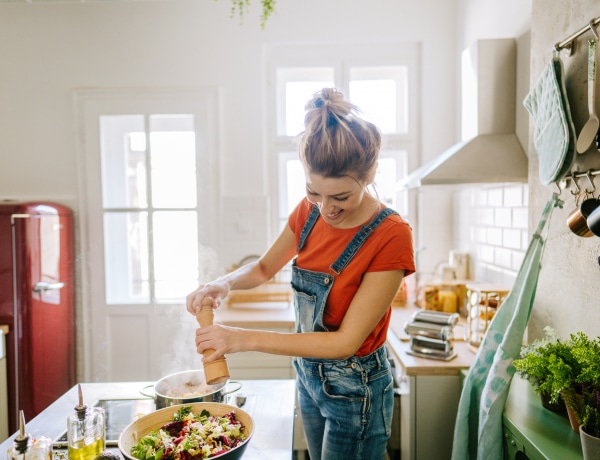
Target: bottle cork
216 371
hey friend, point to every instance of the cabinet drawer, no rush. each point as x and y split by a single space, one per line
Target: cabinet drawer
251 359
513 448
258 373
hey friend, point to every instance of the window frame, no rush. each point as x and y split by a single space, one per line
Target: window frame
106 329
340 57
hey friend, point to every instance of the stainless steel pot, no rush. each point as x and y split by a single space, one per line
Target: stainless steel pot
188 387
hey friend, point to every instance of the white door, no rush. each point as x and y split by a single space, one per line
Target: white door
148 212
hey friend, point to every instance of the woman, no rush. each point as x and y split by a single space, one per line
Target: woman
349 254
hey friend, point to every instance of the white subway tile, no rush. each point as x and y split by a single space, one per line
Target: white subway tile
517 260
502 217
486 253
520 218
494 236
513 196
480 198
485 216
511 238
495 197
503 257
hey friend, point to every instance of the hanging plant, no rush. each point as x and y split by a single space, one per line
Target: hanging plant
240 7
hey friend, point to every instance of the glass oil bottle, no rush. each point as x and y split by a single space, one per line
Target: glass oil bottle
86 431
26 447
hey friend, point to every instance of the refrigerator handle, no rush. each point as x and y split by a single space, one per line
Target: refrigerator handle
43 287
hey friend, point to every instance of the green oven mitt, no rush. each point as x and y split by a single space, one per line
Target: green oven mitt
554 133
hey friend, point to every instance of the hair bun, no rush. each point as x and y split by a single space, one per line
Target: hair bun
320 102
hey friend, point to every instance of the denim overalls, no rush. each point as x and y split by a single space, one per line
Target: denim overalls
346 405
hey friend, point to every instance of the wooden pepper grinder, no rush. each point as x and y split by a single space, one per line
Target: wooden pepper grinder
216 371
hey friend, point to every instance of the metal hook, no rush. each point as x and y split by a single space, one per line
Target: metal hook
588 174
593 29
577 190
569 46
559 189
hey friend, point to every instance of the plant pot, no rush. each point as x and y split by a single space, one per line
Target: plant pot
573 420
558 407
590 445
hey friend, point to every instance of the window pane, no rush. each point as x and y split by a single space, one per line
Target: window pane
385 181
126 257
382 95
173 162
297 94
296 86
296 183
123 161
391 167
175 238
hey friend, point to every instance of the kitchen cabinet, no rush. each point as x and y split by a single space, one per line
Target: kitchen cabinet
254 365
429 393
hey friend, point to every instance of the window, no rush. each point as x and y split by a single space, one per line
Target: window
149 203
379 79
149 164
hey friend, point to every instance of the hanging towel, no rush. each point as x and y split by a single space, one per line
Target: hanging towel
478 429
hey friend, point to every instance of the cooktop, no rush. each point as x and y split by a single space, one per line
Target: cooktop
119 414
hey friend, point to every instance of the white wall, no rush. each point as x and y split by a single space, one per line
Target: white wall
50 49
568 288
442 224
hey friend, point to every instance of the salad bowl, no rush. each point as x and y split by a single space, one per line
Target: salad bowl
139 428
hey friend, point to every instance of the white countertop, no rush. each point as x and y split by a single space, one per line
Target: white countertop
271 403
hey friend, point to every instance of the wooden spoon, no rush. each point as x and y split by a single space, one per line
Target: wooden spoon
216 371
587 136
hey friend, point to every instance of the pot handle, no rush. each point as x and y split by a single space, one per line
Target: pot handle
153 395
237 385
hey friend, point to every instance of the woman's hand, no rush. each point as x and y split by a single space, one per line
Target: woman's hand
222 339
217 289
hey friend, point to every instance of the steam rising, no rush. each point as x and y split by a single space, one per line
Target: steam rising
179 351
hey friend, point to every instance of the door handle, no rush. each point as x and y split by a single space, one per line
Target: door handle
43 287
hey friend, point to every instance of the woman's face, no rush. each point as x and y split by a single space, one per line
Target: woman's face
340 199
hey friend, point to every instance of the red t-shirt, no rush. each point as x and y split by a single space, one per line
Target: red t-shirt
390 247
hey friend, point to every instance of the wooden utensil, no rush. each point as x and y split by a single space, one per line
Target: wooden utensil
216 371
587 135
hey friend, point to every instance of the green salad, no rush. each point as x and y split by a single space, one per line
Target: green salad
191 436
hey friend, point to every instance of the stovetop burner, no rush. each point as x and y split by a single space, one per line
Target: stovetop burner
119 414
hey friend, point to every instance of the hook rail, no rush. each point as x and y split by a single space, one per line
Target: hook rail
569 43
564 183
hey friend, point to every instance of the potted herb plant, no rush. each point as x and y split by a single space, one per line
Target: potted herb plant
583 398
570 370
533 366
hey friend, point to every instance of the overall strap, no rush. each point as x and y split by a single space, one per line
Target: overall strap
358 240
308 226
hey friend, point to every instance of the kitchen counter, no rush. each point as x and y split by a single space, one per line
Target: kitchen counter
414 365
429 391
257 315
262 316
271 403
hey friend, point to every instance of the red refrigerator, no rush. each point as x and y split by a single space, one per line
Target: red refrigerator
37 303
